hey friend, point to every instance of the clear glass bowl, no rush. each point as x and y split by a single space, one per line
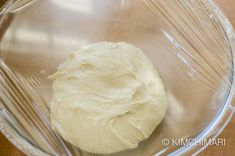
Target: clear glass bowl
36 37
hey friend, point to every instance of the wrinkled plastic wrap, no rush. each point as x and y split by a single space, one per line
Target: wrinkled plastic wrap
202 40
189 42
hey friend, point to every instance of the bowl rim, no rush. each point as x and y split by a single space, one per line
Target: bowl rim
8 129
218 122
226 112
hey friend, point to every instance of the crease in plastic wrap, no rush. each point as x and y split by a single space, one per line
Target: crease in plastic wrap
202 39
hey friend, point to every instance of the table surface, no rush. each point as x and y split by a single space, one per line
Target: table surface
7 149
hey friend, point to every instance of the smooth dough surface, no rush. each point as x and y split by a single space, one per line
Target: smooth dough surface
107 97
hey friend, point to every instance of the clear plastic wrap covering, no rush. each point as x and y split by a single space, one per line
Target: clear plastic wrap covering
190 42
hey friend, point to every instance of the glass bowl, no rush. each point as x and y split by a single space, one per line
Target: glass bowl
198 73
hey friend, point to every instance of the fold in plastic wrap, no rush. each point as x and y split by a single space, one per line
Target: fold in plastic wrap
201 37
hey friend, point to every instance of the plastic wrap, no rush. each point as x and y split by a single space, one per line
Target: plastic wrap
202 38
189 42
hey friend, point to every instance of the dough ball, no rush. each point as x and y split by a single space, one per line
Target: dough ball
107 97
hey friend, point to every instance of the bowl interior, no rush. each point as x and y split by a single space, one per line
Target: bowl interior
39 37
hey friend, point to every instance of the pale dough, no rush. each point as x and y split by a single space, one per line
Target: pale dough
107 97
